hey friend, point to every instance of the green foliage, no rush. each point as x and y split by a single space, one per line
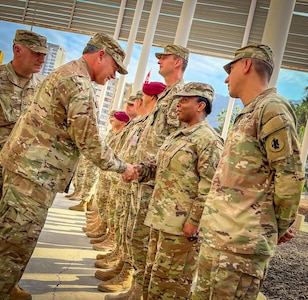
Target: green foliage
301 111
222 116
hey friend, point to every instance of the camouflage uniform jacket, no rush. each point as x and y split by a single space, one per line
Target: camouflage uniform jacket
13 99
128 151
257 186
160 123
186 163
60 123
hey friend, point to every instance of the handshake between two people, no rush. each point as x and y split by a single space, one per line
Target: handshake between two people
131 173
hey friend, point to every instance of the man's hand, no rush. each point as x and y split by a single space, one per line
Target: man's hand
289 235
130 173
190 229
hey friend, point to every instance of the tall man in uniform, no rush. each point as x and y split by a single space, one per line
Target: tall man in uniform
160 123
38 161
17 84
257 186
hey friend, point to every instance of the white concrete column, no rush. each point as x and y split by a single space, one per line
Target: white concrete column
276 31
146 46
129 50
115 36
184 26
251 13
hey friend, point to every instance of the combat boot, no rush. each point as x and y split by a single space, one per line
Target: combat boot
82 206
134 293
98 231
101 238
18 293
119 283
109 255
107 275
107 245
107 263
94 225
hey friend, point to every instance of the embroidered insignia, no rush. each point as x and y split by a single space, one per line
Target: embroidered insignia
276 143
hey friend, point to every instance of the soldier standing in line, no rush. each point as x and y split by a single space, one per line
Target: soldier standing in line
257 186
128 209
17 84
160 123
38 161
185 165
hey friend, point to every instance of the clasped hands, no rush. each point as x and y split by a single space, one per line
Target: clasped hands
131 173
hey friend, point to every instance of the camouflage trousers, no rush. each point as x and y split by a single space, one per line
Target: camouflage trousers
225 275
121 219
172 263
138 233
102 193
23 211
89 183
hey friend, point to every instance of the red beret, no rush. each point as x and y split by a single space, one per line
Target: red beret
121 116
153 88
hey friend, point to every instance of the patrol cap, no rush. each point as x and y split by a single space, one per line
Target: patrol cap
153 88
256 51
111 112
132 98
111 46
35 42
121 116
174 49
193 89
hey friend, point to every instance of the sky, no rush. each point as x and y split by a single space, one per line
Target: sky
291 84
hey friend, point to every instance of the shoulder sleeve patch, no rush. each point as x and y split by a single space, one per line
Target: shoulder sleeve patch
278 145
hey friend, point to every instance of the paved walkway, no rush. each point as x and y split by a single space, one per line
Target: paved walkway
62 265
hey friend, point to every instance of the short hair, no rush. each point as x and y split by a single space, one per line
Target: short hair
90 49
208 104
262 68
184 62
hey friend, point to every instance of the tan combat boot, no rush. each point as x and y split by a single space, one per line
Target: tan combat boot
109 255
108 262
82 206
134 293
101 238
98 231
18 293
107 245
107 275
121 282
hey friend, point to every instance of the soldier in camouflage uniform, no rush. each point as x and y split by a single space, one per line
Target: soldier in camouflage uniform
119 193
256 189
186 163
159 124
144 106
60 123
17 84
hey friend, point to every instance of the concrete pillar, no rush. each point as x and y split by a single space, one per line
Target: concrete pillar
147 45
276 31
129 50
251 13
186 18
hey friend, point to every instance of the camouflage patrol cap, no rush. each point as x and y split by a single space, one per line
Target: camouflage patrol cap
139 95
111 46
35 42
132 98
174 49
193 89
256 51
